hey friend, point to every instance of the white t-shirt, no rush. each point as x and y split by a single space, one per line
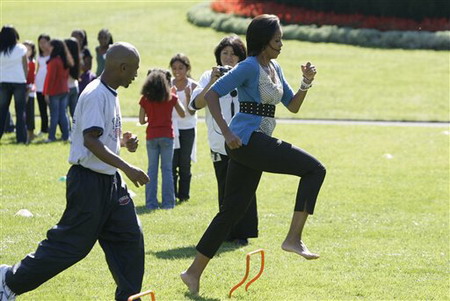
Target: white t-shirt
189 121
229 106
97 108
11 66
41 73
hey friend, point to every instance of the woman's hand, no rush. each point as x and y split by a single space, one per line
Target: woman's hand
309 71
232 140
215 74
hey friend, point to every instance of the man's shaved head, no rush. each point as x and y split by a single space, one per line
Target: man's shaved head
121 52
121 63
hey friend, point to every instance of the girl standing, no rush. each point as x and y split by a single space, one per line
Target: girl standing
74 74
184 85
104 40
13 72
157 104
56 90
41 72
31 89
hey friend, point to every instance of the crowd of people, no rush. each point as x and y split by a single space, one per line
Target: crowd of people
54 75
239 95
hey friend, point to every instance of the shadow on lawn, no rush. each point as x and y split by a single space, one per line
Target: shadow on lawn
189 252
144 210
199 298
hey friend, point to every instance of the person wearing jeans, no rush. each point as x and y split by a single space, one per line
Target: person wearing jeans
157 103
160 147
13 71
7 90
56 89
58 115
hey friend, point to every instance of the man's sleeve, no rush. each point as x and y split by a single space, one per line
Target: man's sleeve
92 114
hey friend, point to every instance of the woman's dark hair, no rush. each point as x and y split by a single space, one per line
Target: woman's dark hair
45 37
106 31
58 50
72 45
83 35
236 43
157 85
8 39
260 32
182 58
33 49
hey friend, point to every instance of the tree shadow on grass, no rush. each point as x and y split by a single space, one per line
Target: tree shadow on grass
189 252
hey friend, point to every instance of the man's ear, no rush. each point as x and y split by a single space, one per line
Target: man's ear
123 67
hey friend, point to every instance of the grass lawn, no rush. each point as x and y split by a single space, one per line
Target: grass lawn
382 220
381 225
352 82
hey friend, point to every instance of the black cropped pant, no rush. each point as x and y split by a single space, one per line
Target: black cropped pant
262 153
247 226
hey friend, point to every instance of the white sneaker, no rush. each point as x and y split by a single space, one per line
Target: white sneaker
5 293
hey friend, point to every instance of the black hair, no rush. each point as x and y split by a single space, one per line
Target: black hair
72 45
106 31
33 49
182 58
58 50
82 33
157 85
8 39
42 36
236 43
260 31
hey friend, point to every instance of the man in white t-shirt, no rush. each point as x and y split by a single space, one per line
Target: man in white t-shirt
99 206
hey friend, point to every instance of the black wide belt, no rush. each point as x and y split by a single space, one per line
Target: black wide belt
266 110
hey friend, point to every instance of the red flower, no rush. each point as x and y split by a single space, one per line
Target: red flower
297 15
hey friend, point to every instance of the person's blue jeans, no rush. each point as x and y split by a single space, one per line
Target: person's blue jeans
156 148
58 114
7 90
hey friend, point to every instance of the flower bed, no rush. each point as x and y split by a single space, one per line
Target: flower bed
296 15
203 15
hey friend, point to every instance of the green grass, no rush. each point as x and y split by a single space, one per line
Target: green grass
381 225
352 82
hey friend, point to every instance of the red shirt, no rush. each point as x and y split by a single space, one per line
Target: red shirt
159 116
56 78
31 72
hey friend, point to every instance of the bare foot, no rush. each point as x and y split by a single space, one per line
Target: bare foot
191 282
300 248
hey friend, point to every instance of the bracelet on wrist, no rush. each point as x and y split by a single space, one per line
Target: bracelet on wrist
305 86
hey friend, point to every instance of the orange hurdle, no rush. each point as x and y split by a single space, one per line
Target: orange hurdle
137 296
247 270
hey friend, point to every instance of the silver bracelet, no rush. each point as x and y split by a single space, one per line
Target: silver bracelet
304 86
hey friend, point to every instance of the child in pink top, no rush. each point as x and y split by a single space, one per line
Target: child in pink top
157 103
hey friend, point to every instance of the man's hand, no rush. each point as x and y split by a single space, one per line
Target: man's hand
130 141
136 175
